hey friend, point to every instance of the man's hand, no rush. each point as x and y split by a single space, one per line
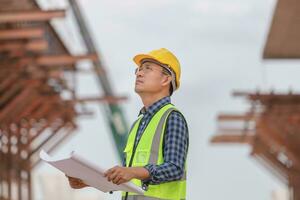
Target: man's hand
76 183
119 175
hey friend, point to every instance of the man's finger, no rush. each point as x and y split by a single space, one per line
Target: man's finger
120 181
116 179
113 175
108 172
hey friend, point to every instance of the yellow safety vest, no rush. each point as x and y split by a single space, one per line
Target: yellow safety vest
150 151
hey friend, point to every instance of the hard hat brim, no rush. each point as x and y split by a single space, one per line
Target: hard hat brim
138 58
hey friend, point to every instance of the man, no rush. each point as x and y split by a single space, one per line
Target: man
157 146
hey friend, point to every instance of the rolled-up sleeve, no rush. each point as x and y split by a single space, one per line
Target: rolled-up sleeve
175 147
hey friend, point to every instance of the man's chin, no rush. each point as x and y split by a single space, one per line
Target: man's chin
138 90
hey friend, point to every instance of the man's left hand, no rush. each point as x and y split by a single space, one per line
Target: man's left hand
119 175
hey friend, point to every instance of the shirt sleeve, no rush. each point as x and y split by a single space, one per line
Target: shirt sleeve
175 149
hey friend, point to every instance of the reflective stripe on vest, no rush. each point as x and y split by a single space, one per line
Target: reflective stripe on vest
156 139
139 197
147 152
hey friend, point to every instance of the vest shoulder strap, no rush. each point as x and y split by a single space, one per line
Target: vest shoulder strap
157 136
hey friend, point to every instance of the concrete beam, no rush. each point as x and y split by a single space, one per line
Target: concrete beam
21 33
30 15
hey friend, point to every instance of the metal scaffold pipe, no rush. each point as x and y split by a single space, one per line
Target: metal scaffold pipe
114 112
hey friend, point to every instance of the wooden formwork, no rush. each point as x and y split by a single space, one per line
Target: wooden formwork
33 113
272 128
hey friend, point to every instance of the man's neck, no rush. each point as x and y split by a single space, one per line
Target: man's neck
148 100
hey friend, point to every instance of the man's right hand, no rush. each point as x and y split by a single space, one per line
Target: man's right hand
76 183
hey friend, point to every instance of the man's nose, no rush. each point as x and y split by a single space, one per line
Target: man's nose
139 72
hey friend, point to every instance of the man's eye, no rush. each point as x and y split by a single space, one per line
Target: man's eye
148 68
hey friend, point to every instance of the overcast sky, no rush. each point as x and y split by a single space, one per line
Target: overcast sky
219 44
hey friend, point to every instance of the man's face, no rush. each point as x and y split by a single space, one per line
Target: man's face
149 78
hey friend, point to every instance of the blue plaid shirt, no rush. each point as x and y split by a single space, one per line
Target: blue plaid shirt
175 146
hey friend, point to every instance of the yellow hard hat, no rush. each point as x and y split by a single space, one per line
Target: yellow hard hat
165 57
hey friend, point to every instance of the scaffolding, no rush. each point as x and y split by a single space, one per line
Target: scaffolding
272 128
39 103
272 125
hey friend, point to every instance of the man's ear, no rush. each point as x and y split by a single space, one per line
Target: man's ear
166 80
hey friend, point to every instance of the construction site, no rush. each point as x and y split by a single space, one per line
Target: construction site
271 126
41 102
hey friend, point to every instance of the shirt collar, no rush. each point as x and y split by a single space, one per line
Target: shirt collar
155 106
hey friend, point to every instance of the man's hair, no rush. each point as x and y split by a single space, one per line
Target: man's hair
170 90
